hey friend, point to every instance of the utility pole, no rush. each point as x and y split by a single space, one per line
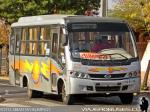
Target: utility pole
103 8
146 76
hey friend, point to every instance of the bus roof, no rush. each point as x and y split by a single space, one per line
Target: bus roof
40 20
60 19
93 19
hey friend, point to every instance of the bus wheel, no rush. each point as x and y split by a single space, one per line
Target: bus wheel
67 99
126 98
31 93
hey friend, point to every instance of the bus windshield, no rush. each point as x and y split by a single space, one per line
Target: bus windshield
118 45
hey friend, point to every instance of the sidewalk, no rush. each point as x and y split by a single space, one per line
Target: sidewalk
7 88
145 91
4 77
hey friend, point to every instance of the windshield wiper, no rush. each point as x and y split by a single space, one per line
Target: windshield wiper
118 54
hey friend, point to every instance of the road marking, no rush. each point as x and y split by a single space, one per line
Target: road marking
12 105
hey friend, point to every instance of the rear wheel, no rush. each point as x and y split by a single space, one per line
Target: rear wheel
33 93
66 98
30 92
126 98
39 94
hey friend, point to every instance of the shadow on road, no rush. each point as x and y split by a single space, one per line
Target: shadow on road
114 100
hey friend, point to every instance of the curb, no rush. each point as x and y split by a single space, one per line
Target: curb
144 91
4 78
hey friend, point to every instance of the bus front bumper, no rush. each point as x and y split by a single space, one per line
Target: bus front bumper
88 86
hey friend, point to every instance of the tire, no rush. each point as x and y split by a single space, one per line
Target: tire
126 98
33 93
30 92
66 98
39 94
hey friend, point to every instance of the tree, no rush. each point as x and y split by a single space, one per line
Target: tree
135 12
4 33
11 10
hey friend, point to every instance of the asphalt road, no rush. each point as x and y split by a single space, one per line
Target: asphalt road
17 97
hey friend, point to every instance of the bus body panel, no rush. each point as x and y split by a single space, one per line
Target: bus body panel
79 86
84 86
39 71
11 70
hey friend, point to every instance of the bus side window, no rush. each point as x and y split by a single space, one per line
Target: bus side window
55 43
33 37
17 38
61 48
44 41
23 41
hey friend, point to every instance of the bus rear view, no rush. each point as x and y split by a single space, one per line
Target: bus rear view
102 58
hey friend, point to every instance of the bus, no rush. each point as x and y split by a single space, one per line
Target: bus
63 55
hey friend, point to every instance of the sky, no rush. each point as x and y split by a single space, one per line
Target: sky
110 4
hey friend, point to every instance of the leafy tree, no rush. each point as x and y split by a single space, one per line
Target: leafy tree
11 10
4 32
135 12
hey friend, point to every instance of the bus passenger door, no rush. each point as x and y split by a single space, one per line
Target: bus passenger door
54 65
17 56
12 57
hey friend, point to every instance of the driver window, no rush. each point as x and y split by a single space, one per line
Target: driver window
55 43
84 41
80 41
75 44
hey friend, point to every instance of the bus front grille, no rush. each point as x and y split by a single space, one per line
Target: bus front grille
103 75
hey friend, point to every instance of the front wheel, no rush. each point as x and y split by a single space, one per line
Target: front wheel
126 98
66 98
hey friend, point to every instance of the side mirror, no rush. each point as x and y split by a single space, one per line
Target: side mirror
65 40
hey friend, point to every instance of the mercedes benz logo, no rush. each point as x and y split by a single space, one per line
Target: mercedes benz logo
108 76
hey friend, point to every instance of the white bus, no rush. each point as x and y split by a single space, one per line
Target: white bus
74 55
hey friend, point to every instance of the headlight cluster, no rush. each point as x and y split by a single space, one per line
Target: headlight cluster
76 54
80 75
132 74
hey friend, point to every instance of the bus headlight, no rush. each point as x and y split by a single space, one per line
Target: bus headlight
75 54
132 74
81 75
